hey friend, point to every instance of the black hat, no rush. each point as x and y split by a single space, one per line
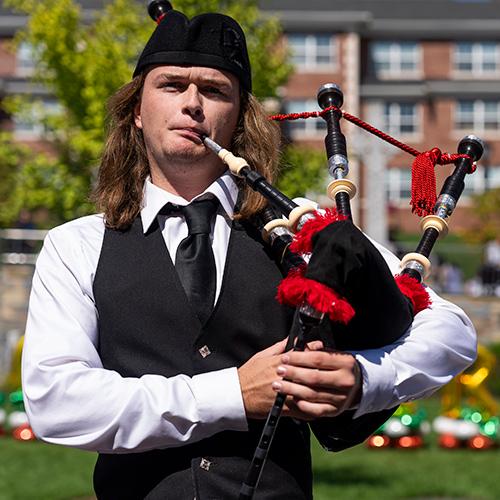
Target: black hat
212 40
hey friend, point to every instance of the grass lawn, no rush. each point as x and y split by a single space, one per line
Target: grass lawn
37 471
362 474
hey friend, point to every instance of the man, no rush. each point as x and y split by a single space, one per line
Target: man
122 355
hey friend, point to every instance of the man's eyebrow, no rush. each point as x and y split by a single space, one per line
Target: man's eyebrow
203 80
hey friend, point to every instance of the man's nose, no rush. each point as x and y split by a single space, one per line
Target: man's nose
193 104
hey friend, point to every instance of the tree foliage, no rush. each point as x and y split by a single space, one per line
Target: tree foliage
84 61
304 171
486 208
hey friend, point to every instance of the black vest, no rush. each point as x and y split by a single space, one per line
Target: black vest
136 289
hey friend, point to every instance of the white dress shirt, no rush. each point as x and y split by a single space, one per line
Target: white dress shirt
72 400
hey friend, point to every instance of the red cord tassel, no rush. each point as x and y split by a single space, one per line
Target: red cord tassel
423 182
415 291
296 289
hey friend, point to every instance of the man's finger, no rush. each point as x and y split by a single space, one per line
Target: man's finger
274 349
315 345
302 392
317 410
339 380
318 359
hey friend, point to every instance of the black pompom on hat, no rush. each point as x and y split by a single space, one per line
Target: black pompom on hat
211 40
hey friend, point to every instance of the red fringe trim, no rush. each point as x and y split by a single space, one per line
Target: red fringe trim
296 289
415 291
302 241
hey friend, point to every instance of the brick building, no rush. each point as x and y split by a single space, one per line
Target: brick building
426 71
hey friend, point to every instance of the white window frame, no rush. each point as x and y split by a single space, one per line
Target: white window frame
478 118
476 60
310 128
395 60
33 129
493 177
397 181
475 183
311 51
393 122
25 62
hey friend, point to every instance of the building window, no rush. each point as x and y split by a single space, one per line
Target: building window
492 177
29 125
478 58
25 60
474 184
483 179
477 115
396 59
312 51
398 184
309 128
400 118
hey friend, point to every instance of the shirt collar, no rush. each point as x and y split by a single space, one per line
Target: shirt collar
155 198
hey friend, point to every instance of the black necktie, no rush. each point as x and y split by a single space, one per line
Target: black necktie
194 260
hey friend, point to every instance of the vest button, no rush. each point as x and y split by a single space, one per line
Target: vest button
205 464
204 351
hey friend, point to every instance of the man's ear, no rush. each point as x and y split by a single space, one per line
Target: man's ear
137 115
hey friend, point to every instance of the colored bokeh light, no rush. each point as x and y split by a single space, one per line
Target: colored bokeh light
378 441
23 433
448 441
406 420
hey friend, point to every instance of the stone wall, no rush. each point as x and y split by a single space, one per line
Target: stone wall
15 284
485 314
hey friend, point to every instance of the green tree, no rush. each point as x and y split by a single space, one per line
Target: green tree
11 156
486 208
304 171
82 62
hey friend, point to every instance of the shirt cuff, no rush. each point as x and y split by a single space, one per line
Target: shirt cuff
219 399
379 380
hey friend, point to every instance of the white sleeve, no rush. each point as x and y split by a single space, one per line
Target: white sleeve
72 400
440 344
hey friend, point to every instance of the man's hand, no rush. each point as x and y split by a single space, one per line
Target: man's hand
256 378
318 383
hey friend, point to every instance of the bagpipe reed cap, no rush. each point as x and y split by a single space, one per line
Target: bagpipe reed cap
330 94
158 8
471 145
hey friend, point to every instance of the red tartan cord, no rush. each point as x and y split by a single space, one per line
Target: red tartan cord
444 159
423 187
160 17
296 289
415 291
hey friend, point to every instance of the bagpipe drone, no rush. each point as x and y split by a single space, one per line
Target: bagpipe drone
345 283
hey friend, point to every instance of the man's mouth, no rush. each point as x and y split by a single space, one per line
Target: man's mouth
193 133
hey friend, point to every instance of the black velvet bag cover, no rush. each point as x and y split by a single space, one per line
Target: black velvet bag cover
345 260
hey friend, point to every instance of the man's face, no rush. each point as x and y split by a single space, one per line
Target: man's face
180 103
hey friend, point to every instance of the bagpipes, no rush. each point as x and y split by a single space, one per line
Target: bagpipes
346 278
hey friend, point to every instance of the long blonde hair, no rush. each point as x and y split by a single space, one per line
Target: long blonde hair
124 165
